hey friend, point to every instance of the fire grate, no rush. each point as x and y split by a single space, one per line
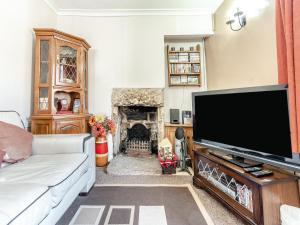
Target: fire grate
138 145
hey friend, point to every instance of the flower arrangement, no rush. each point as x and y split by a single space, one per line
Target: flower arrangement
101 125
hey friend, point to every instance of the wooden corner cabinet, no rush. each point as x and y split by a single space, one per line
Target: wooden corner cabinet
255 200
60 83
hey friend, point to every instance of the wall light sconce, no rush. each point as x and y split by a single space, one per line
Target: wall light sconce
241 20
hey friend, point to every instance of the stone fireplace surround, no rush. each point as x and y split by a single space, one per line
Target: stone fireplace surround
147 97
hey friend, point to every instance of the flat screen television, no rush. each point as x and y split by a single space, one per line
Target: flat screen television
247 122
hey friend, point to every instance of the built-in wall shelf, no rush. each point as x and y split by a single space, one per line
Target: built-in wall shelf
184 67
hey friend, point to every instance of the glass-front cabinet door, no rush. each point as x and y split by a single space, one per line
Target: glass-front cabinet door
85 75
43 80
67 66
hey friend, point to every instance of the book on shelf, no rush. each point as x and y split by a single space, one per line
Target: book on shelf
175 80
193 80
173 57
183 79
196 68
183 57
181 68
194 57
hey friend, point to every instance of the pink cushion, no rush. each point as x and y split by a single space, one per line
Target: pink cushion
15 141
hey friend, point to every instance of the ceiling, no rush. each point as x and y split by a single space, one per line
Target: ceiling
208 6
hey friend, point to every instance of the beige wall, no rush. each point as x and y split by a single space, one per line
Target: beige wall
246 57
129 52
17 18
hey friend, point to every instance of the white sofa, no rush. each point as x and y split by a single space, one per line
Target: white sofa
41 188
289 215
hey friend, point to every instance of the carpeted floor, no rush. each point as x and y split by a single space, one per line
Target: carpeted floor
138 205
218 213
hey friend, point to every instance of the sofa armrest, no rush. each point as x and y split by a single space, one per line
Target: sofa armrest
89 149
60 143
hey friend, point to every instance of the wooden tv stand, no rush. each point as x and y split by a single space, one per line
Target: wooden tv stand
254 200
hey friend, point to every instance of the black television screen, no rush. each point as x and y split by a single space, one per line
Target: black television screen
252 118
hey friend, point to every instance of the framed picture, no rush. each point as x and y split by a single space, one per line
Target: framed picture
76 105
186 117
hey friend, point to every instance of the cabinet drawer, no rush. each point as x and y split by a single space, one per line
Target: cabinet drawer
69 126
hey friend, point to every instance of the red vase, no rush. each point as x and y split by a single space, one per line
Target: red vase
101 151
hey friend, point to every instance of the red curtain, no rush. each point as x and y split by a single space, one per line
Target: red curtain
288 55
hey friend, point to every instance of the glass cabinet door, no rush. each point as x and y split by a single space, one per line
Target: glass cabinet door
44 61
44 73
67 65
85 72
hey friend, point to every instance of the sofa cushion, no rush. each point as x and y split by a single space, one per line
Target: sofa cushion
2 154
4 219
59 172
15 141
24 203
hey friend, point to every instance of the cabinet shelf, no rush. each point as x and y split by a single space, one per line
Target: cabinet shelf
184 62
178 74
184 51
